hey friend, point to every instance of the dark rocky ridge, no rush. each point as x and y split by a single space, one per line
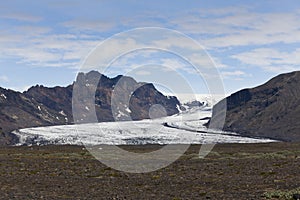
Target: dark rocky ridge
43 106
131 100
271 110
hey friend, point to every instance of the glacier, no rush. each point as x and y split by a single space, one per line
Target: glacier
183 128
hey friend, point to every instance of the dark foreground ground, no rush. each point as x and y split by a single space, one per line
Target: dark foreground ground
230 171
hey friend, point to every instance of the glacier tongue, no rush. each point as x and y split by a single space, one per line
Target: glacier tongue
184 128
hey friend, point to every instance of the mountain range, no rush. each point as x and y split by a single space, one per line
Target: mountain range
44 106
271 110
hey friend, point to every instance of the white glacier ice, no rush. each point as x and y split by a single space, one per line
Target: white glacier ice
184 128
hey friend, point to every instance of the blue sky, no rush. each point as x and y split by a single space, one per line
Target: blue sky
45 42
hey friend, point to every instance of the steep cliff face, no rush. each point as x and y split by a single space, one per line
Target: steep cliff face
58 100
147 96
43 106
18 110
270 110
120 98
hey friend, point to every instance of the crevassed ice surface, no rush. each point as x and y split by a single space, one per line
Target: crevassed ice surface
184 128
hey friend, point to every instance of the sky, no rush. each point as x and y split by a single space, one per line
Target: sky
248 42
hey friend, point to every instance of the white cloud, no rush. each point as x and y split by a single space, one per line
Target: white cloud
175 41
266 23
214 28
202 60
143 72
4 78
21 17
29 30
234 75
89 25
38 47
240 27
173 64
281 69
105 53
270 59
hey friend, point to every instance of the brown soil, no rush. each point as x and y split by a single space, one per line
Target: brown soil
230 171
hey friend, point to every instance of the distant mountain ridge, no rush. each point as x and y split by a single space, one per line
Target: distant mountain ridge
43 106
271 110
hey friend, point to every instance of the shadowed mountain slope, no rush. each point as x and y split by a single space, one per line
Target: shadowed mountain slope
271 110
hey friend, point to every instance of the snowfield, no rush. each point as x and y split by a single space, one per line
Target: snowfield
184 128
